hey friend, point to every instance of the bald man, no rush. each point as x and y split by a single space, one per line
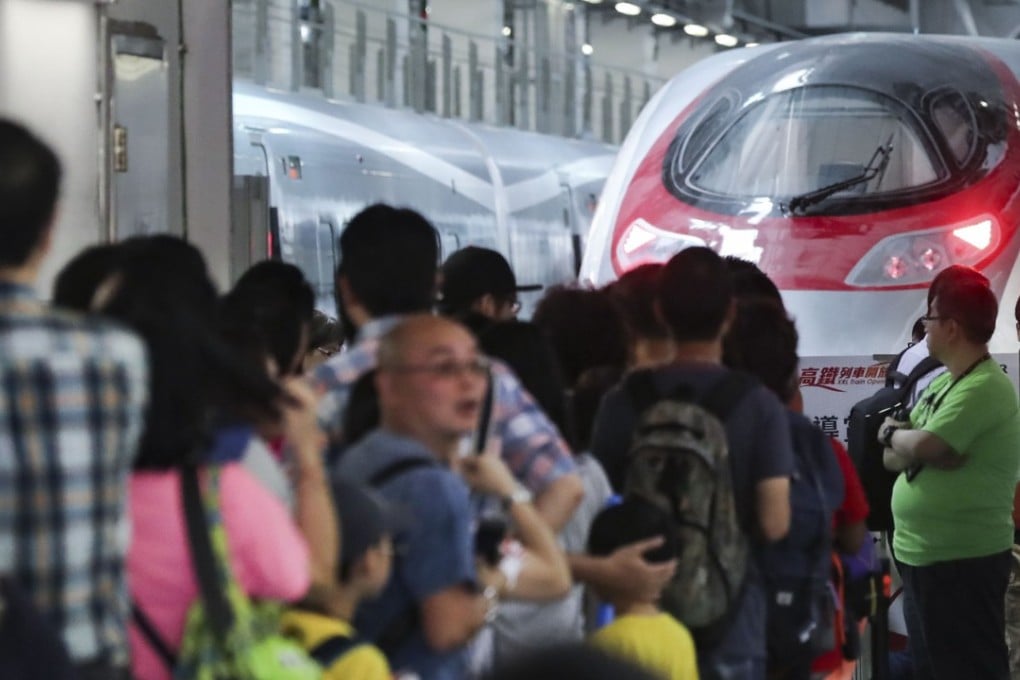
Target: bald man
431 382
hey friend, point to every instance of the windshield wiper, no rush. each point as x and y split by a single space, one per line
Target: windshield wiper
876 166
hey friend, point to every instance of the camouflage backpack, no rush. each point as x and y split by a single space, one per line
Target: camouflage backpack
226 635
679 460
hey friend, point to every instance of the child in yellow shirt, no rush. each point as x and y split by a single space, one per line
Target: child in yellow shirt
641 632
366 557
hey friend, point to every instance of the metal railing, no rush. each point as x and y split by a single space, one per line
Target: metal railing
347 49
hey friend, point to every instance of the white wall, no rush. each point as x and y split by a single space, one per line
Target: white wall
48 82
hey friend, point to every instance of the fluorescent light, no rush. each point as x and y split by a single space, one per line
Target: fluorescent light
664 20
628 8
696 30
587 50
594 2
726 40
751 44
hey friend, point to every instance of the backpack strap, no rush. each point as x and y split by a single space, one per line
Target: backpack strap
923 368
152 636
400 628
726 393
217 608
327 652
397 469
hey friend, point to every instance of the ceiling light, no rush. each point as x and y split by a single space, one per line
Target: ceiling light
594 2
507 31
587 50
628 8
696 30
751 44
664 20
726 40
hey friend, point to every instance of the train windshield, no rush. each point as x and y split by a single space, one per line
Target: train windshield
807 138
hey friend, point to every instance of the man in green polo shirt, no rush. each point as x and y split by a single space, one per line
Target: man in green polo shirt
960 455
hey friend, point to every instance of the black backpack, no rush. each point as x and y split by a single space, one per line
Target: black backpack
866 417
679 460
801 609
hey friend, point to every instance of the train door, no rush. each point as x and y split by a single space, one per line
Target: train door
139 163
252 218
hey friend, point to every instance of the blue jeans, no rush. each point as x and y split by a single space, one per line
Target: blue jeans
955 616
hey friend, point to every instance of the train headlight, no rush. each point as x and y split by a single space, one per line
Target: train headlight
643 243
916 257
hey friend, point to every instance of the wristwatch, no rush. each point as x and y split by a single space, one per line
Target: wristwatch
887 433
520 495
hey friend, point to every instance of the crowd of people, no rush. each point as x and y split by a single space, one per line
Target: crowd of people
623 486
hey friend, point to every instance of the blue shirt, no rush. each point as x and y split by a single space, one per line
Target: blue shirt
434 552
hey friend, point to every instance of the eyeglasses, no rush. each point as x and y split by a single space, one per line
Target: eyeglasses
446 370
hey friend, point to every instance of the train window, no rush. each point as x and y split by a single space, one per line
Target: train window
955 120
705 131
807 138
326 258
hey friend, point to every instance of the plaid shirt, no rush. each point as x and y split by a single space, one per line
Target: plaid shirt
532 446
71 404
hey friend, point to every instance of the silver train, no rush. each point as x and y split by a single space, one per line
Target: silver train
303 166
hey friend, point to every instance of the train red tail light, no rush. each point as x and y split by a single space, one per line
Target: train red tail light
643 243
916 257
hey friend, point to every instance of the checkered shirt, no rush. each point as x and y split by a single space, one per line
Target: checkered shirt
72 394
532 446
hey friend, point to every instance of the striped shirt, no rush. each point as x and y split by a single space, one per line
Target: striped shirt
532 446
72 394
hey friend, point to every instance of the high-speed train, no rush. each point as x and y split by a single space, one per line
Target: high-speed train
530 196
851 168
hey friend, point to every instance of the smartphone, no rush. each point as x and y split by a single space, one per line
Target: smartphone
484 418
488 537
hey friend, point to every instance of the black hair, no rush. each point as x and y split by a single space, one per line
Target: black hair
77 282
584 328
634 297
585 399
362 413
635 519
194 378
527 351
972 305
694 295
389 259
284 277
271 303
751 282
29 185
763 342
954 274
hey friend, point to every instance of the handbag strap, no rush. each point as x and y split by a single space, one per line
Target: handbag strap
218 611
152 636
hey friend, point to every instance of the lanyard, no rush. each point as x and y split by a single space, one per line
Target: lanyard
942 397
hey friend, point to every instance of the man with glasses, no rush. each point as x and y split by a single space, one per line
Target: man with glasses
479 288
952 506
431 382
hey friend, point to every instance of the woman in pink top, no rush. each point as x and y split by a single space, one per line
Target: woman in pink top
162 290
